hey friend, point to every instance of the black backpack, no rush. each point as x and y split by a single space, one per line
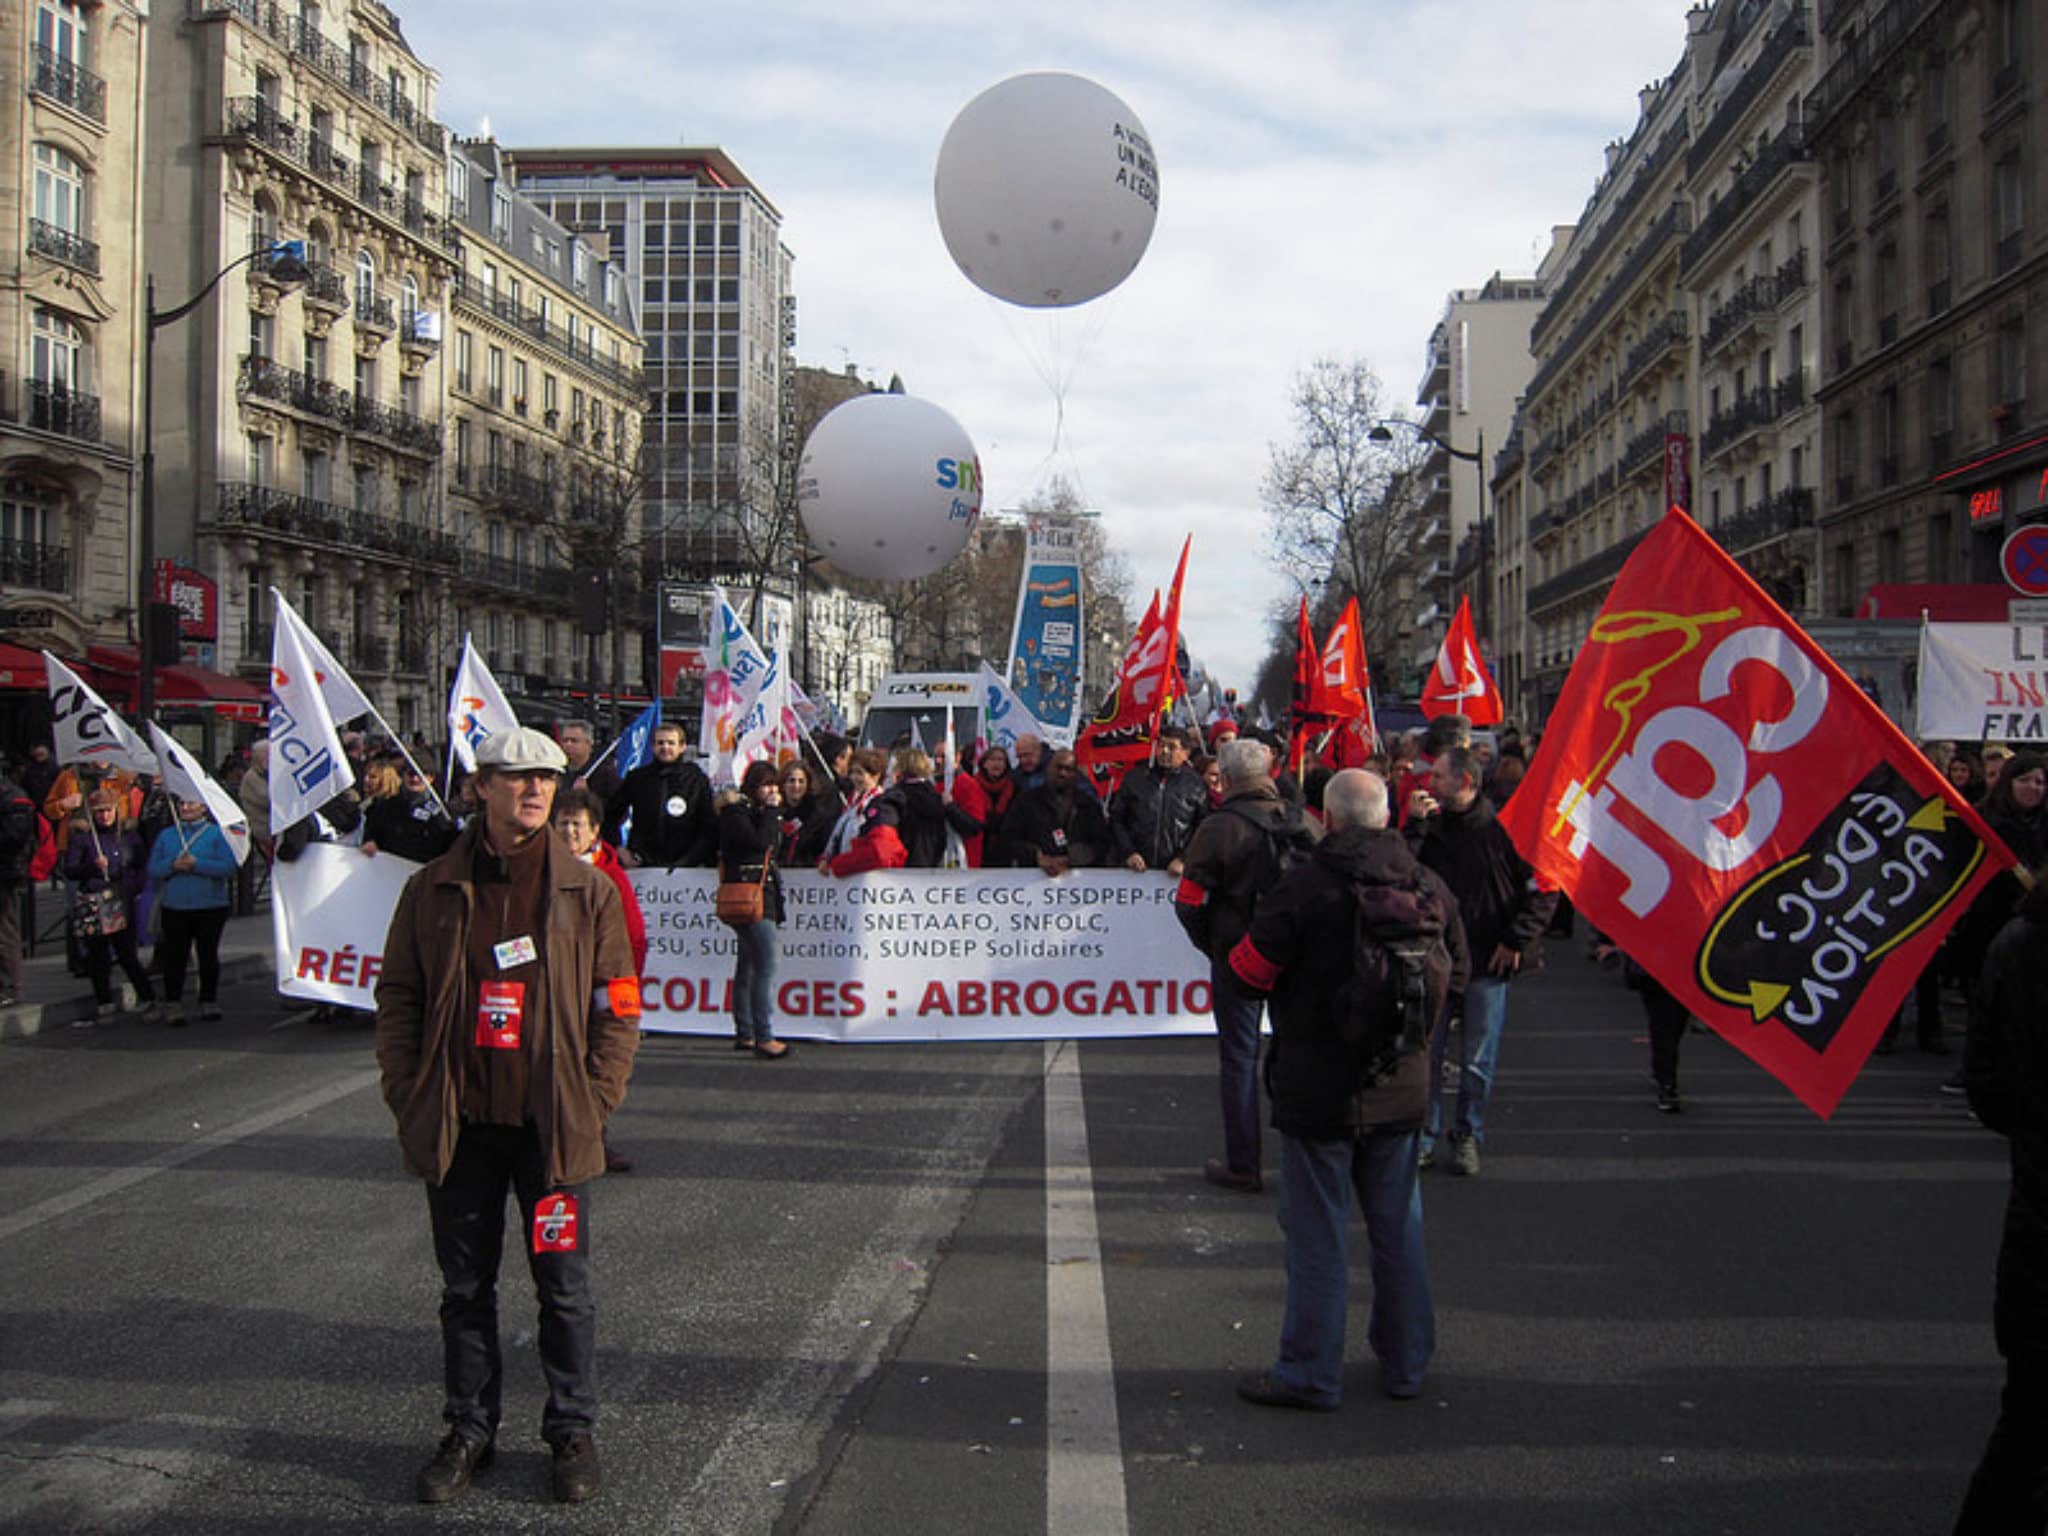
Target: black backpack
1288 846
1400 976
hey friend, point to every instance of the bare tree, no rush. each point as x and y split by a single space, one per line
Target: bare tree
1342 510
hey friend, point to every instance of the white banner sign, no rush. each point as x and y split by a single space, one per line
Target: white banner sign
1983 682
899 955
329 911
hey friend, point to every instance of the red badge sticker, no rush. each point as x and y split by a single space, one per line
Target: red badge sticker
499 1005
554 1224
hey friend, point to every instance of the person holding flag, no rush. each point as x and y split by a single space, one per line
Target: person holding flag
191 865
105 863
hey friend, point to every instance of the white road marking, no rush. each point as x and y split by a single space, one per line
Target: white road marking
1084 1475
127 1178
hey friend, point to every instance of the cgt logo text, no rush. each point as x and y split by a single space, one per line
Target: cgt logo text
952 475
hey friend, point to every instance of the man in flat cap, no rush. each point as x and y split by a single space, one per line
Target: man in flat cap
508 1013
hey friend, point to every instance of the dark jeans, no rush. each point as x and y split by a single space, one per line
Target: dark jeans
2009 1494
1237 1049
1926 1006
101 951
753 984
182 930
1668 1018
468 1209
1318 1180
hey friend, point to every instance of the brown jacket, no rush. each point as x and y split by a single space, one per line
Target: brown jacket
422 998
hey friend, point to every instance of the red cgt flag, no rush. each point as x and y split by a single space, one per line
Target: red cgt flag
1121 732
1459 683
1720 798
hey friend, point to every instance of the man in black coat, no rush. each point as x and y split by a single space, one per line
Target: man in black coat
1057 826
674 823
1452 828
1349 1113
2005 1068
1153 813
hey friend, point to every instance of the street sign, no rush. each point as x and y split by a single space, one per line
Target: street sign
2024 559
2027 610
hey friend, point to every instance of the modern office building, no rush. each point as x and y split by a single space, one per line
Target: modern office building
702 245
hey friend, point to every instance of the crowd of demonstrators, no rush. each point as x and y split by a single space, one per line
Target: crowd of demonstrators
1455 833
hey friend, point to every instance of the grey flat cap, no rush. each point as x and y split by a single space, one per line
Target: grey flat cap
521 750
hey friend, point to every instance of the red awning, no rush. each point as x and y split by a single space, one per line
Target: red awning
22 668
183 683
1981 603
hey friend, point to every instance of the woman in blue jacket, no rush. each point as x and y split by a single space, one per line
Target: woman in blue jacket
191 866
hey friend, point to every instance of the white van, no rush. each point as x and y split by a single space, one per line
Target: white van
922 698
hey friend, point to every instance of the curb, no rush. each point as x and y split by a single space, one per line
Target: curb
25 1019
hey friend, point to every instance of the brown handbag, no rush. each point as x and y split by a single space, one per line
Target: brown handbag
741 903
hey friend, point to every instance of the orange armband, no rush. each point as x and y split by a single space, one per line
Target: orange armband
623 993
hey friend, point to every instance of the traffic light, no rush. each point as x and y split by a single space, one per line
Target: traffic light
593 602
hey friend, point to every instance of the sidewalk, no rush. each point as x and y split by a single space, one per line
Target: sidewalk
51 997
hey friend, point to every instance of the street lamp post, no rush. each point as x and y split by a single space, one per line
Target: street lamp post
1475 456
288 267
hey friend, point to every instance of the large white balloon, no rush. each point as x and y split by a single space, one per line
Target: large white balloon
1047 190
889 487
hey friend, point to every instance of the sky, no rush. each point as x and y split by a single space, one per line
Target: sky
1328 173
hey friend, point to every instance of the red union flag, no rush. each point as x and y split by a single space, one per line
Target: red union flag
1721 799
1459 683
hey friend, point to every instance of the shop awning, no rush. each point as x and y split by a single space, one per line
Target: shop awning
184 684
1976 603
21 668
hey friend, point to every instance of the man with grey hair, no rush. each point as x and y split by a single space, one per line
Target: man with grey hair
1358 949
579 743
1237 854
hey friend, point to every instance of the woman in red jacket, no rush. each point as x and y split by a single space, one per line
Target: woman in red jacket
979 800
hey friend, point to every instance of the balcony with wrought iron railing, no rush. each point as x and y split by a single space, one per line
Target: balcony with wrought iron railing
305 519
500 305
305 42
266 380
58 408
1761 407
67 246
45 567
70 84
1646 448
1787 511
516 488
1859 59
1656 239
375 312
1792 34
1755 299
1586 576
511 575
1788 149
255 120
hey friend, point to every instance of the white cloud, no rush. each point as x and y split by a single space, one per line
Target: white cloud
1329 171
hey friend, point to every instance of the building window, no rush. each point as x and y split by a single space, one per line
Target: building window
316 359
262 461
519 385
458 184
1845 580
549 392
2012 361
313 472
1887 295
463 347
1888 435
57 354
489 281
461 451
2011 210
494 375
611 287
579 263
1934 102
2008 37
1935 255
1891 558
60 191
262 334
366 378
1940 543
501 212
366 488
409 305
366 283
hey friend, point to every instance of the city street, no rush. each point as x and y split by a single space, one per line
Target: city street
828 1302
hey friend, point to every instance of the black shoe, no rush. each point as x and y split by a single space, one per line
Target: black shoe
1221 1174
1935 1046
1667 1101
743 1045
1956 1084
616 1161
577 1475
1262 1388
454 1464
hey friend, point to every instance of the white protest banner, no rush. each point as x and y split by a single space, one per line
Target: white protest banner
330 909
85 729
738 668
186 780
991 954
476 707
897 955
1983 682
308 767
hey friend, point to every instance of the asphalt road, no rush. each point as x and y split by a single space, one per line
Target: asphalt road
829 1302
